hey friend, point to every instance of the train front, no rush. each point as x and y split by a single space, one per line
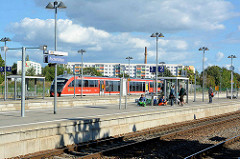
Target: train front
60 85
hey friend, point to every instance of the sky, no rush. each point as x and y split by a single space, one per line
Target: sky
111 30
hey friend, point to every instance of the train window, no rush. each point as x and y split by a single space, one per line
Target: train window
109 86
92 83
137 86
115 86
151 84
71 84
79 83
85 83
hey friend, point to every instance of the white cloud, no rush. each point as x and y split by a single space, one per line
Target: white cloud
219 56
71 37
150 15
228 66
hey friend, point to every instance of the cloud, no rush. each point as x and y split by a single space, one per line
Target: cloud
219 56
150 15
72 37
228 66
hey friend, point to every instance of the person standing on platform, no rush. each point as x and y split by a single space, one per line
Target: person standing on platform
210 94
172 95
181 94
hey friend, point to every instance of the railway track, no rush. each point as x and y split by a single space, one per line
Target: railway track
216 150
106 147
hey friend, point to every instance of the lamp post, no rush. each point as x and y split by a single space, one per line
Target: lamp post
129 58
5 67
156 35
232 68
203 49
55 5
81 51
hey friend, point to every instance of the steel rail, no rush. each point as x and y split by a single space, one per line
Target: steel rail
213 147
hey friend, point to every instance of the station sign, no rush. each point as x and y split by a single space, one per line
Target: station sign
55 59
160 69
58 53
8 69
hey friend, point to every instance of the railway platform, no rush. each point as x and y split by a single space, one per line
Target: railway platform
41 130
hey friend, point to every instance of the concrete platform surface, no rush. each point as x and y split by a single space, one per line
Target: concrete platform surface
14 119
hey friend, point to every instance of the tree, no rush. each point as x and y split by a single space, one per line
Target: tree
91 71
27 58
49 72
2 64
31 71
14 69
166 73
125 75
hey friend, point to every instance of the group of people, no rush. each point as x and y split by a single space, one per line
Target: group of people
163 100
182 92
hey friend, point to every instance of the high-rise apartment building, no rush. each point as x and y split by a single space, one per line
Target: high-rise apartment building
29 64
136 70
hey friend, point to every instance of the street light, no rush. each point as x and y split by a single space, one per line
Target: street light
232 68
55 5
5 67
156 35
81 51
203 49
129 58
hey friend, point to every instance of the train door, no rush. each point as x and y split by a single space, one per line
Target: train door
102 87
147 87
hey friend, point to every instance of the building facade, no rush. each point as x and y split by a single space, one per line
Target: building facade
29 64
115 69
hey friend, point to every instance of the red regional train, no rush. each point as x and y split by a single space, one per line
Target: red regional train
93 85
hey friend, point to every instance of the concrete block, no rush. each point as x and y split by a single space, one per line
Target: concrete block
13 149
105 132
2 151
31 146
47 143
70 129
122 121
26 135
10 137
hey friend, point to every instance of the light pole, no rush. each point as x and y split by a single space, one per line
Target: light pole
203 49
5 66
232 68
81 51
55 5
156 35
129 58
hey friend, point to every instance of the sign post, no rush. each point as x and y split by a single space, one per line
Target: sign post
55 57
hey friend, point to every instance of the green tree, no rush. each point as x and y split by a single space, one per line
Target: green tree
49 71
166 73
215 73
125 75
14 69
31 71
1 73
27 58
91 71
